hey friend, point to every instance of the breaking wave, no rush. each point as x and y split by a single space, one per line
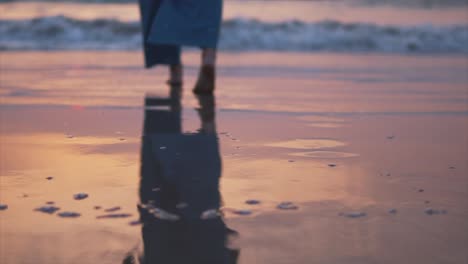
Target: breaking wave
63 33
397 3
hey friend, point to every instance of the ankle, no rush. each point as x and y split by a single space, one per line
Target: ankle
208 57
175 72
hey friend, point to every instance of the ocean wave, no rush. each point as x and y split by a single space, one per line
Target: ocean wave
63 33
397 3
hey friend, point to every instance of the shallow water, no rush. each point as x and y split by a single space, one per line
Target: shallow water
78 117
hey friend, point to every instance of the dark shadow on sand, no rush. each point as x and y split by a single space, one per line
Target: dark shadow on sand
179 188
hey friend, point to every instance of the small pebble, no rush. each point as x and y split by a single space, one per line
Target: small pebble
3 207
331 165
242 212
156 189
452 167
287 206
80 196
47 209
431 211
390 137
210 214
392 211
70 136
49 178
113 216
163 148
163 215
291 161
25 195
426 202
50 202
134 223
252 202
421 190
69 214
97 207
355 214
122 139
112 209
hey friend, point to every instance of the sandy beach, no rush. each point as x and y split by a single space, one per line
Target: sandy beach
344 137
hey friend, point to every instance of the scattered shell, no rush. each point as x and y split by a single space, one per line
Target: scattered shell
242 212
70 136
80 196
112 209
210 214
355 214
156 189
252 202
113 216
163 215
48 209
69 214
431 211
3 207
163 147
392 211
287 206
331 165
49 178
134 222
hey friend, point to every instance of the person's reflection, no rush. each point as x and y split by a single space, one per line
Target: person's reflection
179 187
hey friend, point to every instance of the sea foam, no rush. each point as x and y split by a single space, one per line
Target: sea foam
239 34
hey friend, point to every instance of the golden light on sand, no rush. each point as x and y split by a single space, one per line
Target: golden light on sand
307 144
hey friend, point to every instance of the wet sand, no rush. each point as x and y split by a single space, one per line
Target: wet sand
334 134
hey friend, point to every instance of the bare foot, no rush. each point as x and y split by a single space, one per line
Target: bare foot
206 80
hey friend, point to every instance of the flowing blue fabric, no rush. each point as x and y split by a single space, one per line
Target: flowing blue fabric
170 24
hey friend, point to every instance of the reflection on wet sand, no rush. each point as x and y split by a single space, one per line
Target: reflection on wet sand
179 188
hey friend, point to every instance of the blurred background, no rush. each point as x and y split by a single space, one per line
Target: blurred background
377 26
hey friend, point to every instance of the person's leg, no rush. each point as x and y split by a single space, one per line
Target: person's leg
208 57
206 77
175 74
